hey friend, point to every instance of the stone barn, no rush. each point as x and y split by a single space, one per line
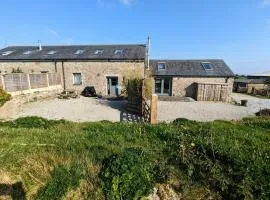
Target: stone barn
207 80
101 66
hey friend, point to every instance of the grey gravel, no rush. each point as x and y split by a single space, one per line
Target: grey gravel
210 111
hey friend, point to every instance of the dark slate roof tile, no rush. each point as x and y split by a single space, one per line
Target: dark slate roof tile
191 68
131 52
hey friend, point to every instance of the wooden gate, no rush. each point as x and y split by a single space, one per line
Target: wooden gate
139 104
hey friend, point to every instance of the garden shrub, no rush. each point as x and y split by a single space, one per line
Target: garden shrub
35 122
263 112
128 175
62 180
4 97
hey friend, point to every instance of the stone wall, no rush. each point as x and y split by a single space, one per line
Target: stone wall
96 73
28 67
186 86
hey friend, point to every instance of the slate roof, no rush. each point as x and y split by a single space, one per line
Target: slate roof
130 52
191 68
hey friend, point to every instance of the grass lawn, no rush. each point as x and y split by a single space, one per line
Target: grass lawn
66 160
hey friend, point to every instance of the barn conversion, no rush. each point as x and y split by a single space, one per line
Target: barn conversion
182 77
101 66
105 66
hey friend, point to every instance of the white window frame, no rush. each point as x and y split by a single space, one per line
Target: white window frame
74 74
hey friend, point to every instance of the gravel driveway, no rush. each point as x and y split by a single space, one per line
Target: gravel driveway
90 109
209 111
80 110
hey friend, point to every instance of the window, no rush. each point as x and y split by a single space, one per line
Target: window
27 52
98 52
7 53
163 86
80 51
119 52
51 52
77 78
161 66
207 66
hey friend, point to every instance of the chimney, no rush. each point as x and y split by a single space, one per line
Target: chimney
40 47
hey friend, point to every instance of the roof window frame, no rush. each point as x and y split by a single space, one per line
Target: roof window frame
119 52
79 52
207 63
6 53
161 69
99 51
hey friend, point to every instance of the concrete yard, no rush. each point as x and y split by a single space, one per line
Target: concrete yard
90 109
210 111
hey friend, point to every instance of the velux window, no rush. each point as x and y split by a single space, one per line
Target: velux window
7 53
98 52
119 52
161 66
77 78
207 65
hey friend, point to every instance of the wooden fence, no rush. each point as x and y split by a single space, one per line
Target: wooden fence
20 82
213 92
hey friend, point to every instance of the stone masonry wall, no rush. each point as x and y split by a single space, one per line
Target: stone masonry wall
93 73
185 86
27 67
96 73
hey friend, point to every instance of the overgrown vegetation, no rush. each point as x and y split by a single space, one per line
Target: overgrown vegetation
4 96
66 160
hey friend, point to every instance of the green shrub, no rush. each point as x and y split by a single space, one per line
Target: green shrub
61 181
128 175
35 122
4 97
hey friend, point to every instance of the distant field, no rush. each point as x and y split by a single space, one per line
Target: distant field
41 159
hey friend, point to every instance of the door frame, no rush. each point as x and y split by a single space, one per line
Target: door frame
162 86
107 84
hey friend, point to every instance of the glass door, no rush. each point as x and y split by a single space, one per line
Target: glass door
163 86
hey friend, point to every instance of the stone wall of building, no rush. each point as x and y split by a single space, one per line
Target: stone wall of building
186 86
28 67
96 73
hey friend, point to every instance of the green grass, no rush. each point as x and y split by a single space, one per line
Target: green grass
66 160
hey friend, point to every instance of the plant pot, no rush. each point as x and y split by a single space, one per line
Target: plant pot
244 102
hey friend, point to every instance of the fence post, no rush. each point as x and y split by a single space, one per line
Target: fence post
3 82
153 108
29 83
48 82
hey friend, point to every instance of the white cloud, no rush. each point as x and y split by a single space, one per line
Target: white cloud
51 31
126 2
265 3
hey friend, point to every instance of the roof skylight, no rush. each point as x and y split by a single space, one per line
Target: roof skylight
7 53
119 52
161 66
207 65
27 52
51 52
80 51
98 52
